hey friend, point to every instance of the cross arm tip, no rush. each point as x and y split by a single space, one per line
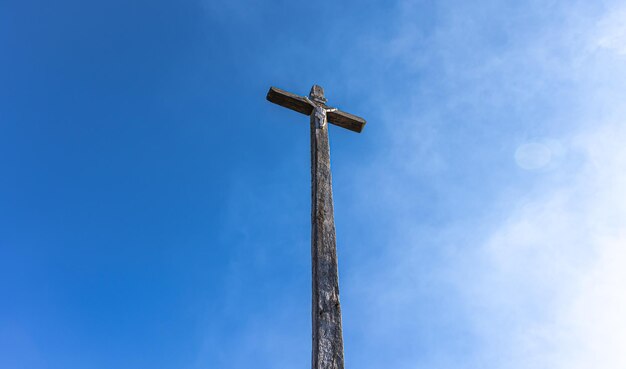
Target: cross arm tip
346 120
289 100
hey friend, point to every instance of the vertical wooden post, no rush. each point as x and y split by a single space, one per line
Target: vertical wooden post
327 333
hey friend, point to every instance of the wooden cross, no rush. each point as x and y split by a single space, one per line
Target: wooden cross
326 311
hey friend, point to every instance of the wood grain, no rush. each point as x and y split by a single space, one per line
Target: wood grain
289 100
346 120
326 311
327 352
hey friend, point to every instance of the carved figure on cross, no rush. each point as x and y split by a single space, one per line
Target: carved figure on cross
320 112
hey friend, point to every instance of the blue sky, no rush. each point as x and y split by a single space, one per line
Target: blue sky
155 209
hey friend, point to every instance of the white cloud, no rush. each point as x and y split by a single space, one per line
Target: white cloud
540 279
553 292
612 31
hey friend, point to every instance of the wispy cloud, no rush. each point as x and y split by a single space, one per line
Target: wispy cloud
549 290
492 207
527 272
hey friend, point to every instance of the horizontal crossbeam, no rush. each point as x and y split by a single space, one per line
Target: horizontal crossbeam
301 105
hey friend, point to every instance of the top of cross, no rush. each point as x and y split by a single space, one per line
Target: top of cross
317 94
302 105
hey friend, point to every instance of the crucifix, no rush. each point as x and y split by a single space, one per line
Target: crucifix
326 311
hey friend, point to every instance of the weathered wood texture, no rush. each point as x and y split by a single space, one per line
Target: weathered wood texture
346 120
289 100
299 104
326 312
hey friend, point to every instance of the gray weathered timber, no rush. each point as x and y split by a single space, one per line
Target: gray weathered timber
289 100
301 105
346 120
326 310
